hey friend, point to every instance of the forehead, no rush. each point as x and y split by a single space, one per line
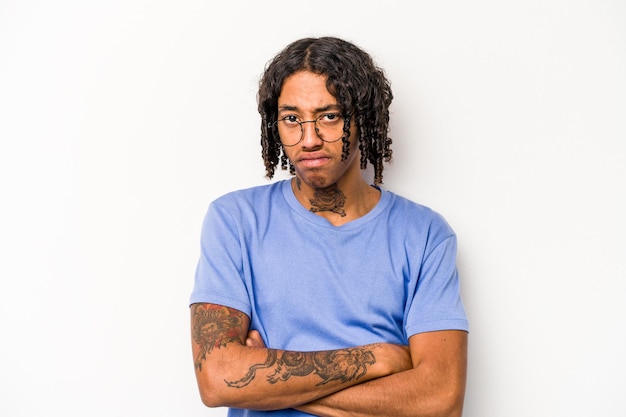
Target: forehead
305 89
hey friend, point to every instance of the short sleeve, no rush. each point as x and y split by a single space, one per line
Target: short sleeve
436 303
219 276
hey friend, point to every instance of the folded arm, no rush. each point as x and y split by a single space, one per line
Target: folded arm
232 374
435 387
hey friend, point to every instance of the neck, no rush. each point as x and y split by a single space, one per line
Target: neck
338 203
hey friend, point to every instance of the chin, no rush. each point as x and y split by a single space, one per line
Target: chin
316 181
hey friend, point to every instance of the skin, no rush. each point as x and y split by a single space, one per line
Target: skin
233 366
434 386
232 373
326 185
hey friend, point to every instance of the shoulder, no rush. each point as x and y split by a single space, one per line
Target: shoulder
246 206
248 197
415 211
419 217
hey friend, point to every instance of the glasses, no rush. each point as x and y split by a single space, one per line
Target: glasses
329 127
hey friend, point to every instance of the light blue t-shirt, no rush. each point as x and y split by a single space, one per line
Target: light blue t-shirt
308 285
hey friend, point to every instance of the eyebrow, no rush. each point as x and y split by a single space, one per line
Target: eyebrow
318 110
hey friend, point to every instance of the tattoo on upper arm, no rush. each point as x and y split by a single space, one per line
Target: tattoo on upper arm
334 365
328 199
214 326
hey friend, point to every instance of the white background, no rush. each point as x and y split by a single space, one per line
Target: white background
121 120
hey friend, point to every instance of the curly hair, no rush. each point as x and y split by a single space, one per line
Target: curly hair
361 88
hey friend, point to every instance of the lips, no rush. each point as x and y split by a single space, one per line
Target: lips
312 161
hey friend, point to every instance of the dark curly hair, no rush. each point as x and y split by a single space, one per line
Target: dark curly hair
362 91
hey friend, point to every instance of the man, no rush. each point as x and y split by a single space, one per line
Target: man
324 294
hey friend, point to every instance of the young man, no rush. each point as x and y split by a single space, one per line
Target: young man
324 294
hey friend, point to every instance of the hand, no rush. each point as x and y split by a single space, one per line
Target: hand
254 339
400 357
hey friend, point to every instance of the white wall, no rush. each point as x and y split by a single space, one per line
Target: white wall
121 120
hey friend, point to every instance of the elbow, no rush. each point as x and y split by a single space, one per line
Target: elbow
445 401
210 398
212 393
221 398
451 404
439 403
454 411
211 401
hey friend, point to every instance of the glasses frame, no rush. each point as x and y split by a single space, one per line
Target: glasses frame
346 122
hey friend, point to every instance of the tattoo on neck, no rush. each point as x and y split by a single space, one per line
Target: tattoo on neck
298 183
328 199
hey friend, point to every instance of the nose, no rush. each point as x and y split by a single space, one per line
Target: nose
310 138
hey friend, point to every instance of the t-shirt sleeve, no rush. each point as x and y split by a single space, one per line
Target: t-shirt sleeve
219 276
436 303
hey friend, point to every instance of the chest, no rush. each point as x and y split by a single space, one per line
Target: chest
347 287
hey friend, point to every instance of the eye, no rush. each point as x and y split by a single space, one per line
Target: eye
330 118
290 120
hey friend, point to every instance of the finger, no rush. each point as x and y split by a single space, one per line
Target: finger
254 339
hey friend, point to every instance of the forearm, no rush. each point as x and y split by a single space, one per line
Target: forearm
433 388
397 395
233 374
267 379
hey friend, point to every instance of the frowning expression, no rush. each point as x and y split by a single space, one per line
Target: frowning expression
317 163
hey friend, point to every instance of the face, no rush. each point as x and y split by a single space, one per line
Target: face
317 163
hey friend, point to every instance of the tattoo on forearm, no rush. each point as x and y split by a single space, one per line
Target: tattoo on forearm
213 327
335 365
271 360
328 199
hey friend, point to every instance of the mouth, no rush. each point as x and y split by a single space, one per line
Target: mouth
313 161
